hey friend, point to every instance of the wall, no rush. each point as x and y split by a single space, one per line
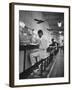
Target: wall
4 45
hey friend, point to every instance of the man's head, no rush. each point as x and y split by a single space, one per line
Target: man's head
40 33
52 40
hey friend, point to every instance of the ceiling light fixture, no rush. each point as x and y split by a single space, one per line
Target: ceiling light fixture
60 32
59 24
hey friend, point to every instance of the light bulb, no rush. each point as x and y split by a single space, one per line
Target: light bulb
60 32
59 24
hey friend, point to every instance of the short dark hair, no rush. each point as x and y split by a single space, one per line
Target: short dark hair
52 39
40 31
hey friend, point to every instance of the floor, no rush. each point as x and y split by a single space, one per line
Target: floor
58 68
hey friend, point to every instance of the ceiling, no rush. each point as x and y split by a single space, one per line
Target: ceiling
50 18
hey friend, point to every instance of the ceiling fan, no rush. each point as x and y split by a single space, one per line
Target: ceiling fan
39 21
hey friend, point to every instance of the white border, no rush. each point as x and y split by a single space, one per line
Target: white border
16 42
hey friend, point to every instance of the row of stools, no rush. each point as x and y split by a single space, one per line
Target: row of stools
44 63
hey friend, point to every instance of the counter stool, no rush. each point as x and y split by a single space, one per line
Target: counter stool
43 65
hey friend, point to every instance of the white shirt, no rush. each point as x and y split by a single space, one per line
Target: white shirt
43 46
43 42
42 51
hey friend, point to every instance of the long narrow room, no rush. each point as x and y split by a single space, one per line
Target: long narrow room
41 44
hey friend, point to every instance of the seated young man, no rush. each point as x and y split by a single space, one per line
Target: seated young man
41 52
53 46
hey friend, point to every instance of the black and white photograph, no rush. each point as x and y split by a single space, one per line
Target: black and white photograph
41 41
41 44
